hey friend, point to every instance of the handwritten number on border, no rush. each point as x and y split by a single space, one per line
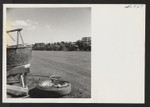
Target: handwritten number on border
134 6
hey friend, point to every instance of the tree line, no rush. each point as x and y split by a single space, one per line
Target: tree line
64 46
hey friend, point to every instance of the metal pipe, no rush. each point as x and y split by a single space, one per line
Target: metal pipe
21 38
11 37
22 81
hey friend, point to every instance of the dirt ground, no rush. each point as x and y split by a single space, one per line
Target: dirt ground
74 67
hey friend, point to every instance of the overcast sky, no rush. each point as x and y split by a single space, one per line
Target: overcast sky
50 24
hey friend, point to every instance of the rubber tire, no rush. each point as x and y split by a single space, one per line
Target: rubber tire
54 91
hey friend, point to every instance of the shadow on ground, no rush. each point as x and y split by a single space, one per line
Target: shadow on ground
36 93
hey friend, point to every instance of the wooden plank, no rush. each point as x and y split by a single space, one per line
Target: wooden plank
13 81
17 88
14 30
18 70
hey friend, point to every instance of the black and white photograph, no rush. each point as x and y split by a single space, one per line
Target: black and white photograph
73 53
49 52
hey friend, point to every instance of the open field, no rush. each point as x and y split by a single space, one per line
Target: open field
74 67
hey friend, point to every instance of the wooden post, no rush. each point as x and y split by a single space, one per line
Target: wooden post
17 38
22 80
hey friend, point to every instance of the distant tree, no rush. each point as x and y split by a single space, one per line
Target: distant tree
64 46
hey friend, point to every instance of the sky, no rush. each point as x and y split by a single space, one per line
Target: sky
50 25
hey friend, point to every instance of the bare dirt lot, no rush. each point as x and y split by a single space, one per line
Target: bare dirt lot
74 67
